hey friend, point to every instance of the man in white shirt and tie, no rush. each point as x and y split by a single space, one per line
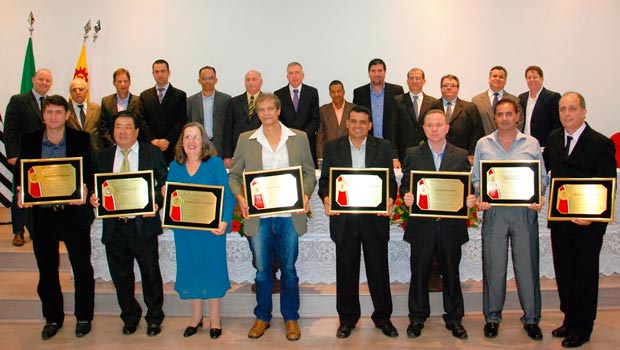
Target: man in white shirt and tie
84 115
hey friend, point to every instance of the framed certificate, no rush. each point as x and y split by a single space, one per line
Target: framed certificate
51 180
125 194
440 194
353 190
274 191
193 207
510 182
582 198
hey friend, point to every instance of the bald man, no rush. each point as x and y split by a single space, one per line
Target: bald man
84 115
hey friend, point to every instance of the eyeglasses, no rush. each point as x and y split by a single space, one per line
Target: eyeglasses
192 137
78 89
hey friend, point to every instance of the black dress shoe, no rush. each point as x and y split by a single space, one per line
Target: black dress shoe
50 330
189 331
414 329
491 329
215 333
560 332
574 341
129 328
153 330
388 329
82 328
533 331
458 331
344 331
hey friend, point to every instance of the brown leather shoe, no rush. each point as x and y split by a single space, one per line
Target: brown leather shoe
19 240
258 329
292 330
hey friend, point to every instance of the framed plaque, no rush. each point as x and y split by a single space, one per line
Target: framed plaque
353 190
510 182
582 198
193 207
440 194
274 191
51 180
125 194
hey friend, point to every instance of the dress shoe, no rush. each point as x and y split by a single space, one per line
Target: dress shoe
458 331
50 330
344 331
215 333
258 329
18 239
388 329
491 329
560 332
574 341
292 330
414 329
533 331
82 328
189 331
153 330
129 328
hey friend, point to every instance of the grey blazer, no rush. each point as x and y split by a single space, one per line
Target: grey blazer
485 109
195 113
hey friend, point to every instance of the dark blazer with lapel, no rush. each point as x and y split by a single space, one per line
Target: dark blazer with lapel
545 116
329 129
93 116
338 154
109 109
420 230
485 110
237 122
23 116
78 145
465 126
149 158
196 113
307 117
408 130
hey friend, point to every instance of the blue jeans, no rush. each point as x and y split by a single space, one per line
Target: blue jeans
276 236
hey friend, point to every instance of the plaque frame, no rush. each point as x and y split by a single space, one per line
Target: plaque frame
148 209
609 183
383 174
534 165
295 171
464 177
77 195
168 222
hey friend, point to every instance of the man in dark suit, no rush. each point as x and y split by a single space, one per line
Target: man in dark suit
23 115
83 114
300 104
208 107
412 107
429 236
487 100
465 125
378 96
241 114
164 109
577 151
120 101
69 223
540 106
333 117
370 231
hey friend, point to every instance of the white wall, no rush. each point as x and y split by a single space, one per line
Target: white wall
575 42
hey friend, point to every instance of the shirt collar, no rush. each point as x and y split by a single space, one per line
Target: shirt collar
134 148
286 132
363 146
291 88
61 143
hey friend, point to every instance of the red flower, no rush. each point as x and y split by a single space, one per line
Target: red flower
404 225
236 226
396 217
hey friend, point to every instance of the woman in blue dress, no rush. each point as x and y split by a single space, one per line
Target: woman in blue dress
202 272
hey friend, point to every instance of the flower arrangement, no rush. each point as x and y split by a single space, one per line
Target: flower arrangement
473 220
400 213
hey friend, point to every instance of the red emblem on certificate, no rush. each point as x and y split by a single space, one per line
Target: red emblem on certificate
342 196
175 207
34 187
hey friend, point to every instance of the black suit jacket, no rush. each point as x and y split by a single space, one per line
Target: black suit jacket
109 111
307 117
23 116
237 122
423 229
545 116
78 145
337 153
149 158
465 126
408 129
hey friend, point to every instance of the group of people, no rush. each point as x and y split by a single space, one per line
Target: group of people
195 139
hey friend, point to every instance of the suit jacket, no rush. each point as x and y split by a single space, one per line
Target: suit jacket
93 117
149 158
421 158
163 120
78 145
408 130
109 110
485 109
545 116
248 157
465 126
196 113
338 154
306 117
329 129
23 116
237 122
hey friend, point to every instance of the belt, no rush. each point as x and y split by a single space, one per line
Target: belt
58 207
126 220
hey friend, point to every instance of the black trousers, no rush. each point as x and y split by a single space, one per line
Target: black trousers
53 227
125 246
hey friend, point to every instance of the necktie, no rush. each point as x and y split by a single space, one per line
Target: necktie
296 98
82 115
449 111
41 102
125 166
160 94
495 95
568 141
415 107
251 108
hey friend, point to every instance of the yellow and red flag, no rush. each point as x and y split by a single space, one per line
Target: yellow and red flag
81 69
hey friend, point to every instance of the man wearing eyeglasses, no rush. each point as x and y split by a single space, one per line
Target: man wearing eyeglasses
208 107
84 115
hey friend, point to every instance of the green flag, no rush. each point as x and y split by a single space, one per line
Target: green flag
29 69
